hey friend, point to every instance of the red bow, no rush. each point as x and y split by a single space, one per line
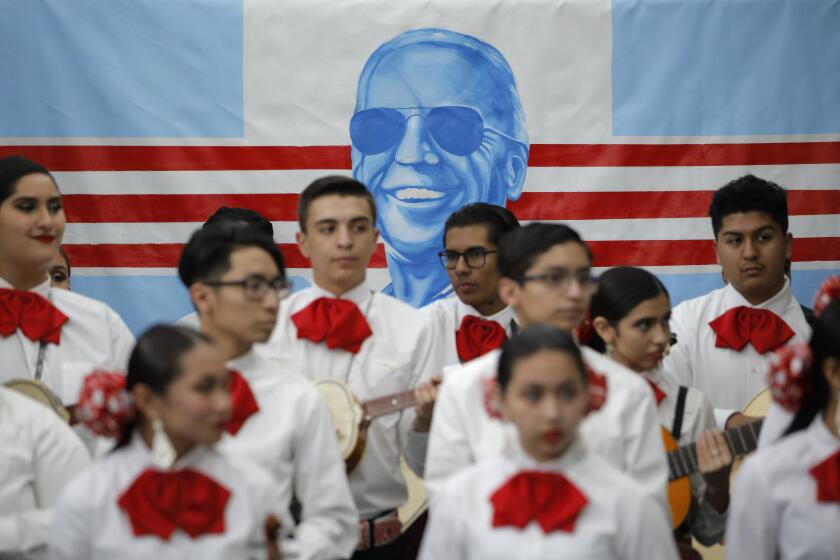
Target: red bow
159 502
741 325
32 313
548 498
243 403
658 393
475 337
338 321
597 389
827 475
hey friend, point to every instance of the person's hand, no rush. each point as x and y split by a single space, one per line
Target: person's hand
272 529
425 396
737 420
714 460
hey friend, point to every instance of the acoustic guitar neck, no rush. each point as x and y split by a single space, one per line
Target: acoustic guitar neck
682 461
381 406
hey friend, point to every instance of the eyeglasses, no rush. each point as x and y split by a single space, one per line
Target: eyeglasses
475 257
458 130
562 279
256 287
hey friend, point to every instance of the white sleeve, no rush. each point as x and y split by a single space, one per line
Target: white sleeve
449 449
445 536
122 341
643 531
329 526
752 528
679 361
707 524
71 535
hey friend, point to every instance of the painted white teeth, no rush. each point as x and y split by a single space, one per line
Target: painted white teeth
418 193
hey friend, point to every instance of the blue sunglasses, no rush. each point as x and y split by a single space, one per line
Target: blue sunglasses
458 130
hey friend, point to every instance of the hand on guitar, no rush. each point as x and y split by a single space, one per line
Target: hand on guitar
714 461
737 419
425 395
272 530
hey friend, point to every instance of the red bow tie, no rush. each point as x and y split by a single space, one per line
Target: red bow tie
597 389
658 393
741 325
159 502
827 475
243 403
548 498
33 314
338 321
476 336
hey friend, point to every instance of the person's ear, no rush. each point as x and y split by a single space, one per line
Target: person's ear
604 330
516 166
201 295
301 239
509 291
146 402
831 370
788 246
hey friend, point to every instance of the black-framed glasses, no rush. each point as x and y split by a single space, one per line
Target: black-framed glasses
475 257
562 279
256 287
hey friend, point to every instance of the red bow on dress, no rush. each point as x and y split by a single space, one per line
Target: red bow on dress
597 389
827 475
548 498
741 325
338 321
33 314
159 502
476 336
243 403
658 393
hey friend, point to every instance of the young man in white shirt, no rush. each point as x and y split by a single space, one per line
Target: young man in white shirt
341 329
725 338
236 279
546 278
476 320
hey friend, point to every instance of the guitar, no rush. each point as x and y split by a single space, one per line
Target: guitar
38 391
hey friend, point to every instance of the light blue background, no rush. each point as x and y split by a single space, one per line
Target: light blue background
121 68
733 67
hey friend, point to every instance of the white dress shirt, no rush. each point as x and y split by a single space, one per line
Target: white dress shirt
619 521
94 336
398 356
292 437
446 316
730 379
90 525
39 455
707 524
774 512
625 430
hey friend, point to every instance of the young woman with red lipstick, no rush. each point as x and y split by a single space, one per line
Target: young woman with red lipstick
547 496
630 313
52 335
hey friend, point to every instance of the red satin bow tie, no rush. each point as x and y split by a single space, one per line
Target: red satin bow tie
827 475
159 502
548 498
741 325
597 389
243 403
33 314
658 393
338 321
476 336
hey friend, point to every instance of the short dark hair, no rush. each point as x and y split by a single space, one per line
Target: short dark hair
331 185
499 220
521 247
749 194
227 214
15 168
531 340
207 254
66 258
621 289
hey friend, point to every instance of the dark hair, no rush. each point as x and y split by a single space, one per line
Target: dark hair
331 185
207 254
228 214
531 340
521 247
825 344
499 220
66 258
749 194
620 290
156 363
15 168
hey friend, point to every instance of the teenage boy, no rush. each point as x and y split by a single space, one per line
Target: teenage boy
476 320
725 338
236 280
546 277
341 329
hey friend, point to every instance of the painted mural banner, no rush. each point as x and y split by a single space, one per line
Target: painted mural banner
617 117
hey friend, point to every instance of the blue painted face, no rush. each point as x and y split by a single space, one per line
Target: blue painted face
434 130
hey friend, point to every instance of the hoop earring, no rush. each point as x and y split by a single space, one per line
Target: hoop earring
163 452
